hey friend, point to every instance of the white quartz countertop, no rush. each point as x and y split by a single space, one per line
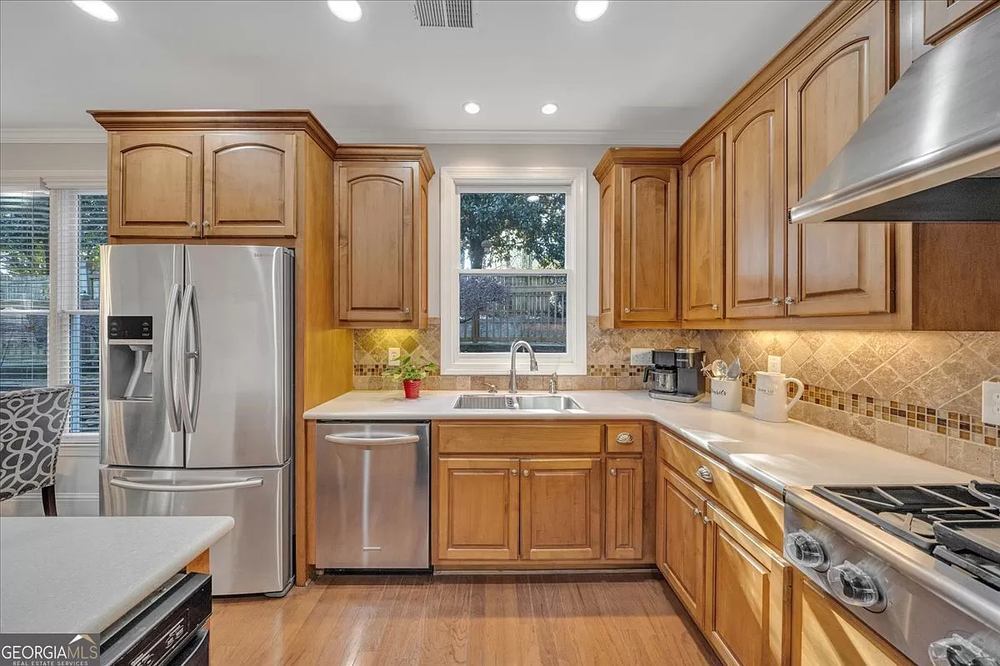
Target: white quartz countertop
776 455
79 575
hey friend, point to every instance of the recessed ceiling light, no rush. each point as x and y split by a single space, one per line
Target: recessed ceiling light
591 10
533 198
549 109
345 10
98 9
471 108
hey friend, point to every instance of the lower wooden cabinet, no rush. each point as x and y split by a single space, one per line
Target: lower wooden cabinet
680 541
825 634
477 508
561 509
623 509
746 595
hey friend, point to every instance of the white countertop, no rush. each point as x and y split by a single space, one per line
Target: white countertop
774 454
79 575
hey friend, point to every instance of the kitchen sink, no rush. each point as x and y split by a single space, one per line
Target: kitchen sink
516 402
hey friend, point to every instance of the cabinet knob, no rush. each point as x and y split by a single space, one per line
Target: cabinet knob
194 225
406 310
715 306
705 520
697 512
526 472
627 310
613 471
789 300
513 472
775 301
205 223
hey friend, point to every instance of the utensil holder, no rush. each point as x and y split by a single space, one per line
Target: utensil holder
727 395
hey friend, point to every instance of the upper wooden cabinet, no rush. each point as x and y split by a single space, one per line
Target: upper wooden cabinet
639 228
703 234
154 184
943 18
250 184
837 269
756 211
381 202
200 174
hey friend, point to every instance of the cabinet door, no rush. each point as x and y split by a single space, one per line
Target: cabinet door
837 268
608 258
756 215
561 509
824 634
250 184
648 254
702 230
746 595
623 509
477 508
943 18
154 185
376 241
680 539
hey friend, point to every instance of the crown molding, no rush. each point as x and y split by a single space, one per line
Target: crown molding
50 135
671 138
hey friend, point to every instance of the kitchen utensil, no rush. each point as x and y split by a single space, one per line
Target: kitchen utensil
734 369
769 401
719 368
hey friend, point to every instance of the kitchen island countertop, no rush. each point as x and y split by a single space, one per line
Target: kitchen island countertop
79 575
777 455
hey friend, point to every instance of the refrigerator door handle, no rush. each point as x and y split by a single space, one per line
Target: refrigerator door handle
168 358
390 440
189 312
252 482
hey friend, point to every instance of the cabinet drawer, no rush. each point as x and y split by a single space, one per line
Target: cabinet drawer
756 509
623 437
523 438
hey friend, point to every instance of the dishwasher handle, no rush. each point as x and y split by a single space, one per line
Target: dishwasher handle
388 440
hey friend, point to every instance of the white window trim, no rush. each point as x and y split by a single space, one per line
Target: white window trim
456 179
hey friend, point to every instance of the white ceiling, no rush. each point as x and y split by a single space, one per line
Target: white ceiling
648 72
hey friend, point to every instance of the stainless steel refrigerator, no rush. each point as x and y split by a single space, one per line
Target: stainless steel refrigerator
197 400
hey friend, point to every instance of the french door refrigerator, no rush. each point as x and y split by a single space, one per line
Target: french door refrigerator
197 400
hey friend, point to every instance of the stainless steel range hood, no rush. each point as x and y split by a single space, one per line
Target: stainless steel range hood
930 151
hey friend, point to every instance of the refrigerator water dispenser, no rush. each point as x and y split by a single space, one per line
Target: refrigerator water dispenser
130 358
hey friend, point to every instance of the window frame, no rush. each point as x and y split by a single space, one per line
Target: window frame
455 181
58 184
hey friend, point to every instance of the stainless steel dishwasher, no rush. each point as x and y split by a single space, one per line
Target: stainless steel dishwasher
372 495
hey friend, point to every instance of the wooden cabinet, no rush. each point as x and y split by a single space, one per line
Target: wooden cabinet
747 593
639 230
381 201
154 184
703 234
250 184
680 511
837 269
943 18
823 633
756 213
478 508
561 509
623 509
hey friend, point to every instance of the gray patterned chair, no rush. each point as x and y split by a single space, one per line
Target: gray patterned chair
31 426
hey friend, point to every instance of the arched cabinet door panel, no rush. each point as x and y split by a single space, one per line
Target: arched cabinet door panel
250 184
154 185
702 234
837 269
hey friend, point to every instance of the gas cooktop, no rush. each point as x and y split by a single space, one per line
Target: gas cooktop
957 524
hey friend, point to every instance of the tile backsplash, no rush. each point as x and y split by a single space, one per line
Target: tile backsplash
918 393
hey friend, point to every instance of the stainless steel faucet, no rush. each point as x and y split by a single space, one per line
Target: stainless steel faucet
520 344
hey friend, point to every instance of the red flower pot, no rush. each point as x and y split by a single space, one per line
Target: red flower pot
411 388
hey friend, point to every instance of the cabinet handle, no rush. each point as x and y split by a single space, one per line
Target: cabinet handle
715 306
613 471
513 472
624 438
697 512
705 474
789 300
775 301
526 472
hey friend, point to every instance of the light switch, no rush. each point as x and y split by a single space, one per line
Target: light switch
394 354
991 403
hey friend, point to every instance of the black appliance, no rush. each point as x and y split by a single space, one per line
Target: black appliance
167 628
676 374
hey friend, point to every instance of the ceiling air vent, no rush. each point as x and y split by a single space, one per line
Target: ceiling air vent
443 13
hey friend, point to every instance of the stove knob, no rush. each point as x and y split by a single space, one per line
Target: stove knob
958 651
853 586
804 550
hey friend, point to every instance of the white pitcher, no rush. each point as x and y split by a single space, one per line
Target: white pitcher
769 400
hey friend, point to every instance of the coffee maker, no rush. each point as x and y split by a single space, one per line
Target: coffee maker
676 374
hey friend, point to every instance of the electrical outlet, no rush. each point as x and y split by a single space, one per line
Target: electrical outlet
641 356
394 354
774 364
991 403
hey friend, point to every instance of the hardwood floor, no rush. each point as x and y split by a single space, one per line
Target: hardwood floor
495 620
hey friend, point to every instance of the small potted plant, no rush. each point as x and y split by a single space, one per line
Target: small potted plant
411 373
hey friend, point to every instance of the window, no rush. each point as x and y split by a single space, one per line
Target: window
49 294
513 253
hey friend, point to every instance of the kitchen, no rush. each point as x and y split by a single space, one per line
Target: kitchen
236 297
